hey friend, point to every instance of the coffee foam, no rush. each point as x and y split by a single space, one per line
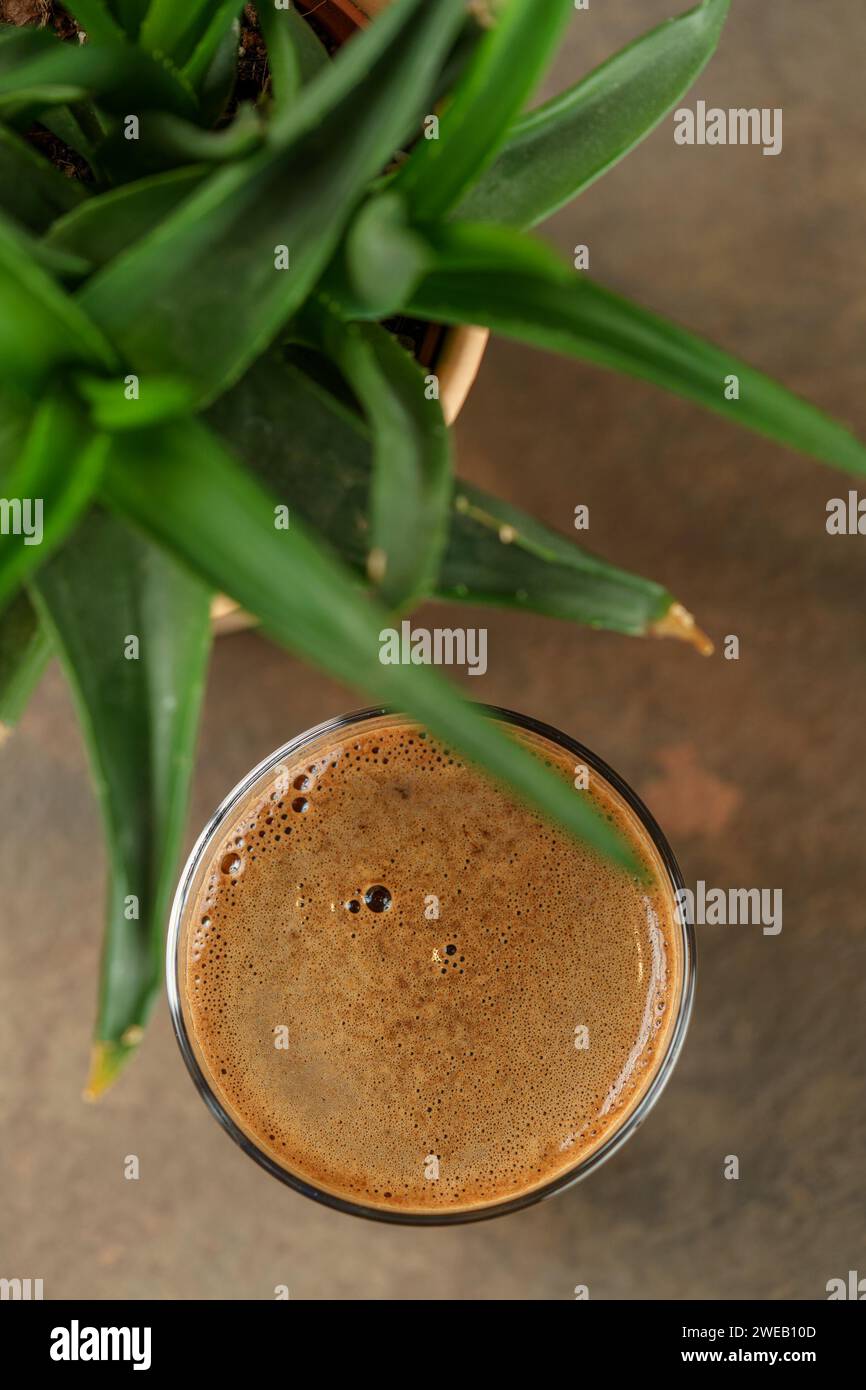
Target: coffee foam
405 1061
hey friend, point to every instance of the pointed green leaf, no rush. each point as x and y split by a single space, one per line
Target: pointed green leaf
260 233
212 67
411 483
187 143
31 190
19 45
295 54
20 246
505 285
560 148
41 328
25 649
46 489
62 265
129 14
133 630
96 19
113 409
21 102
499 555
382 258
197 500
175 29
167 142
316 454
37 70
393 39
108 223
58 263
489 96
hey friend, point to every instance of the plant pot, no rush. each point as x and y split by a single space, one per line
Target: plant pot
454 354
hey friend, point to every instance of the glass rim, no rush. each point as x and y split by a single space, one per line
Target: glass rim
562 1181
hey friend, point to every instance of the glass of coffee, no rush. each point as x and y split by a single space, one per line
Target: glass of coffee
409 996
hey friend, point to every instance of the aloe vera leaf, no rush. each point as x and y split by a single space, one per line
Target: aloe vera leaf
108 223
410 486
506 286
559 149
22 103
393 38
295 54
20 243
41 328
129 14
96 19
56 262
167 142
31 190
187 143
498 80
212 66
175 29
499 555
116 407
19 44
316 453
48 486
25 650
193 497
383 257
264 230
62 265
37 70
138 706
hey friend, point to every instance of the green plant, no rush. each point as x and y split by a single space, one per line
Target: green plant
192 339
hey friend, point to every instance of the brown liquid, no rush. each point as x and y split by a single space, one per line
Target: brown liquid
405 1061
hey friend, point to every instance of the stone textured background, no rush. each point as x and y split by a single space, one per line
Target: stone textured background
753 767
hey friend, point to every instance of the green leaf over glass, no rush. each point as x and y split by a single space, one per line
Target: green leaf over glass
227 284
